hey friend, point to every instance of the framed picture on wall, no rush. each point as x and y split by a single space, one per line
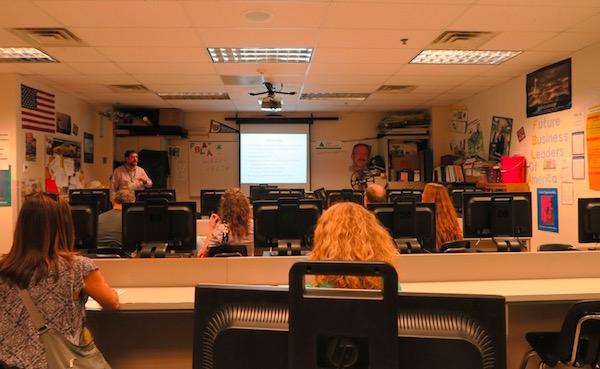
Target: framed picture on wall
88 148
63 123
549 89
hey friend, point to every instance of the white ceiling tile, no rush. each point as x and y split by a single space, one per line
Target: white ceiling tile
519 18
365 15
97 68
167 68
568 41
229 14
330 69
156 54
75 54
178 79
98 13
138 37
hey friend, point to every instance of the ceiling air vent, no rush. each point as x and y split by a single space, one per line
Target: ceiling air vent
48 36
461 40
395 89
128 88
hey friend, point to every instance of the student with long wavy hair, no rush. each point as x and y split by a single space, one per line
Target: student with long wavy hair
58 280
348 232
447 228
233 225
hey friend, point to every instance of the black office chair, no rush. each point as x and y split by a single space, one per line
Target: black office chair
227 250
456 246
576 345
556 247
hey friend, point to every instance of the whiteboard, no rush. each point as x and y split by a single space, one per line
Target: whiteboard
213 165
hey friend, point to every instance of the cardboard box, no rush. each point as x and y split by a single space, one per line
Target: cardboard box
406 162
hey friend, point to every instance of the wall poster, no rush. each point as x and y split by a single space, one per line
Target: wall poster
63 164
547 209
88 148
549 89
500 137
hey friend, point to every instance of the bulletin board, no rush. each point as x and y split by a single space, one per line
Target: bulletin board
213 165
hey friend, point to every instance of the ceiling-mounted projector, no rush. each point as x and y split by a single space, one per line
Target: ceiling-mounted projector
270 103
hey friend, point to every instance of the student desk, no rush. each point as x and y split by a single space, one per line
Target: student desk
153 329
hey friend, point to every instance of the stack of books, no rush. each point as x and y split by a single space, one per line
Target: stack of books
410 124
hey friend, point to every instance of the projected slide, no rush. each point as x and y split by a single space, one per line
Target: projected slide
273 158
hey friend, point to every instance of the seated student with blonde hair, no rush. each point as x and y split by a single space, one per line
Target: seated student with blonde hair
349 232
447 228
233 225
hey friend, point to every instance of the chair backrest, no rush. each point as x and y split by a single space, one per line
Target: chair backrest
579 342
226 250
456 246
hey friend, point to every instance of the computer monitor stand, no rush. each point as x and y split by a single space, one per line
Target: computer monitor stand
408 245
153 249
508 244
288 247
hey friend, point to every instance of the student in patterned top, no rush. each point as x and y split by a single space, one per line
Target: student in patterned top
233 225
58 280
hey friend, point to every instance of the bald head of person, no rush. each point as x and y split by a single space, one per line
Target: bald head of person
374 193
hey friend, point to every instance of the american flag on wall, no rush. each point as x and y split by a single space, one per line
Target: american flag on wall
37 111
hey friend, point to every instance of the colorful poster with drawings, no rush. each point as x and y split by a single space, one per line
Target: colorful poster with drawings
500 137
547 209
63 163
474 139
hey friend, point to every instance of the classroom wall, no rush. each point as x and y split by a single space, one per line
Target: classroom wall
82 114
329 168
8 117
547 142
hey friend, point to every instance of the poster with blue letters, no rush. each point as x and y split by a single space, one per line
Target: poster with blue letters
547 209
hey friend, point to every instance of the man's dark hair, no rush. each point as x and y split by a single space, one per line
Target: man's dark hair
129 152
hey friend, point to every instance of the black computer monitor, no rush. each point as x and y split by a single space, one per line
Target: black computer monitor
456 196
247 327
392 195
350 195
588 214
99 195
408 220
496 214
259 192
85 222
210 201
156 193
276 193
157 221
286 224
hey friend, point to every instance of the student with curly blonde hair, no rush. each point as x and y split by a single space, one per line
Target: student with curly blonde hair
447 228
349 232
233 225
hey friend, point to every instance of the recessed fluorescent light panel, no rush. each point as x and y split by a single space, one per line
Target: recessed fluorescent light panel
260 55
194 95
463 57
334 96
24 54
